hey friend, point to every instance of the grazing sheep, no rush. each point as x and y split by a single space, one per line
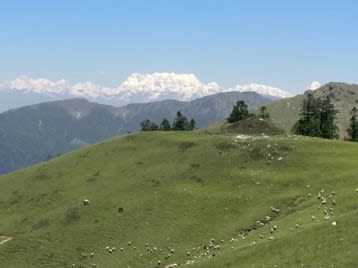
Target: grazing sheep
313 218
334 223
276 210
110 250
334 202
171 265
92 254
129 243
86 202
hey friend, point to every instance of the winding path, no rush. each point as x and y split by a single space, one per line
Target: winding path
4 239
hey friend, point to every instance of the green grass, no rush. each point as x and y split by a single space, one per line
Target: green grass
179 190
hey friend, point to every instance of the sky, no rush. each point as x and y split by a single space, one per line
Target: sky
286 44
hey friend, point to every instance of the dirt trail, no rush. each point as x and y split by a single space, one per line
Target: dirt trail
4 239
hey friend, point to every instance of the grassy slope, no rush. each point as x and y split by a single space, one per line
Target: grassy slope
179 190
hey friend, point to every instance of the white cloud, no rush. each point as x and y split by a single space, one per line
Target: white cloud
136 88
314 85
186 86
262 89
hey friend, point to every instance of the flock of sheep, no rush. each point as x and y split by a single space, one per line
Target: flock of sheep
327 202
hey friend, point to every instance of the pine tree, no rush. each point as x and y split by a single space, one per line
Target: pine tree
165 125
148 125
353 126
180 122
309 121
317 118
263 114
327 118
239 112
192 124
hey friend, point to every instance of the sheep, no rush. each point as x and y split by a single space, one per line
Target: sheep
94 265
274 227
92 255
334 223
129 243
313 218
86 202
171 265
110 250
276 210
172 250
113 249
334 201
159 262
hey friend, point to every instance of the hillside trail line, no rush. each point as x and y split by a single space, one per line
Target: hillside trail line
4 239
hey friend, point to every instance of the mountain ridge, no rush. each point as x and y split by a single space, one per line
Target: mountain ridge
41 131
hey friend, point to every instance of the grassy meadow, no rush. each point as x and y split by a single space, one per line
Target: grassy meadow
175 195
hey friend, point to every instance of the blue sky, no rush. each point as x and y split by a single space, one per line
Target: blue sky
286 44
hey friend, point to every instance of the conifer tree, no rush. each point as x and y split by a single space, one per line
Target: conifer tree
317 118
239 112
165 125
353 126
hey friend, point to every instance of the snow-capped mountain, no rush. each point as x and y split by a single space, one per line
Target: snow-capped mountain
137 88
263 90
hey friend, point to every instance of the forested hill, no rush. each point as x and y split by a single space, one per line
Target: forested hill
343 96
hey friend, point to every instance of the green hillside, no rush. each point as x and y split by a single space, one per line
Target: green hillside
35 133
170 194
344 97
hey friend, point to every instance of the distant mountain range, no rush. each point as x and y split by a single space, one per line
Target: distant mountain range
137 88
38 132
